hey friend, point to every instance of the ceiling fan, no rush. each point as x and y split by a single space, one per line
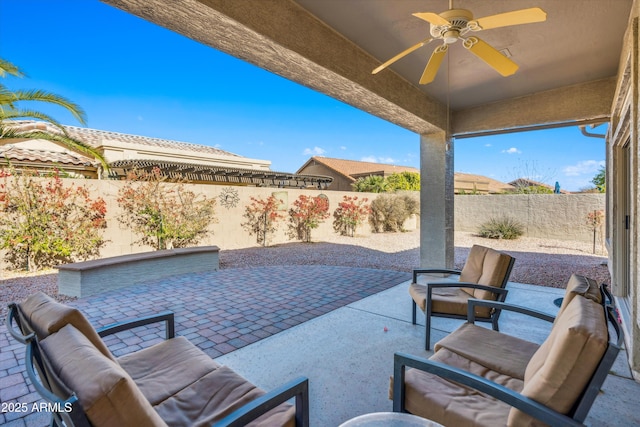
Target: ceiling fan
454 24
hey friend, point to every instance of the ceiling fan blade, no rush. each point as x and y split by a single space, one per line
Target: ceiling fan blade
517 17
491 56
433 65
401 55
432 18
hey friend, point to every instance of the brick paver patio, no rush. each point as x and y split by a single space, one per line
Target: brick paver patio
219 312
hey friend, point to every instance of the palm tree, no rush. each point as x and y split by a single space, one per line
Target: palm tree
9 111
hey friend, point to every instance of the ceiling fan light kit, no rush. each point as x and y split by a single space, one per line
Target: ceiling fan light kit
454 24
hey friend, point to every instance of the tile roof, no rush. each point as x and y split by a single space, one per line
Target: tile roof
349 168
13 153
495 186
96 137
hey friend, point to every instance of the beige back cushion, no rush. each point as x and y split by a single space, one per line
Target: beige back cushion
105 391
580 285
559 371
485 266
46 316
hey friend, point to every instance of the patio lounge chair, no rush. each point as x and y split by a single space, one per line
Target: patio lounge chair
170 383
484 276
480 377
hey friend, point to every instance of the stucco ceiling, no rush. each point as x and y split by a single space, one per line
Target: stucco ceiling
579 42
568 63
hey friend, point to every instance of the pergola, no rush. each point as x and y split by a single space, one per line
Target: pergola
199 173
578 67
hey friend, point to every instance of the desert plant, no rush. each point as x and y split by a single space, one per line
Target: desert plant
44 222
165 215
501 228
349 214
390 211
262 217
306 214
370 184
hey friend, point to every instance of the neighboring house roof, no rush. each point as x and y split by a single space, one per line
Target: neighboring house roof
125 152
526 182
493 185
353 169
97 138
12 153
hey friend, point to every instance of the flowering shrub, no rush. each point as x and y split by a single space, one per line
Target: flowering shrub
349 214
44 222
164 215
306 214
262 217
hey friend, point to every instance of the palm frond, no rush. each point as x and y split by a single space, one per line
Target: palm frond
52 98
7 67
14 114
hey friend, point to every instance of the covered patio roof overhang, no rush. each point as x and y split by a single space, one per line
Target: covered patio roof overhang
201 173
567 76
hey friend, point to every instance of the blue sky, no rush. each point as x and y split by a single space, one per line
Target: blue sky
132 76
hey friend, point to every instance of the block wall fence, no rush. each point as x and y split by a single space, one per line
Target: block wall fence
554 216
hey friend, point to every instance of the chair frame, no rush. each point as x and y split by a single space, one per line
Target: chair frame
501 295
576 415
51 388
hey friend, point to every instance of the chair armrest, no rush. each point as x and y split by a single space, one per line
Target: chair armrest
165 316
510 397
417 271
472 303
495 290
298 389
12 314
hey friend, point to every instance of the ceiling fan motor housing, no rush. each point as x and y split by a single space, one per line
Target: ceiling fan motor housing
458 19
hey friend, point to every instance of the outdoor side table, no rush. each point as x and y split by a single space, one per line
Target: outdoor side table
389 419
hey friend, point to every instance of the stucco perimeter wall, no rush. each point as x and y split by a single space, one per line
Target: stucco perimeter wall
553 216
550 216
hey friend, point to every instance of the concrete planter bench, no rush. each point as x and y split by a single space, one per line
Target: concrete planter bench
80 279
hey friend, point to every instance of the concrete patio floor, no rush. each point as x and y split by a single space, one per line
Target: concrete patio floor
272 324
348 356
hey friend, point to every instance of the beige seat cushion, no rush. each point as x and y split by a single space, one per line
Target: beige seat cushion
445 300
499 352
166 368
47 316
105 391
563 365
215 396
451 404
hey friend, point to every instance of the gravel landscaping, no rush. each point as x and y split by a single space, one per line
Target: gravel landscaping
541 262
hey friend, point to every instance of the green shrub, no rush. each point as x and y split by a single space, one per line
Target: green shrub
390 211
501 228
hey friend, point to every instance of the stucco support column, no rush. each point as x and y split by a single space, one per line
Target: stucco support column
436 201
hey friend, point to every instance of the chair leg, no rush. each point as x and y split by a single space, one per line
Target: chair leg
494 322
427 330
413 313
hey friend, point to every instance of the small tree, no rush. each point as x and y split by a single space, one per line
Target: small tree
403 181
262 217
349 214
306 214
165 215
594 221
600 180
44 222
